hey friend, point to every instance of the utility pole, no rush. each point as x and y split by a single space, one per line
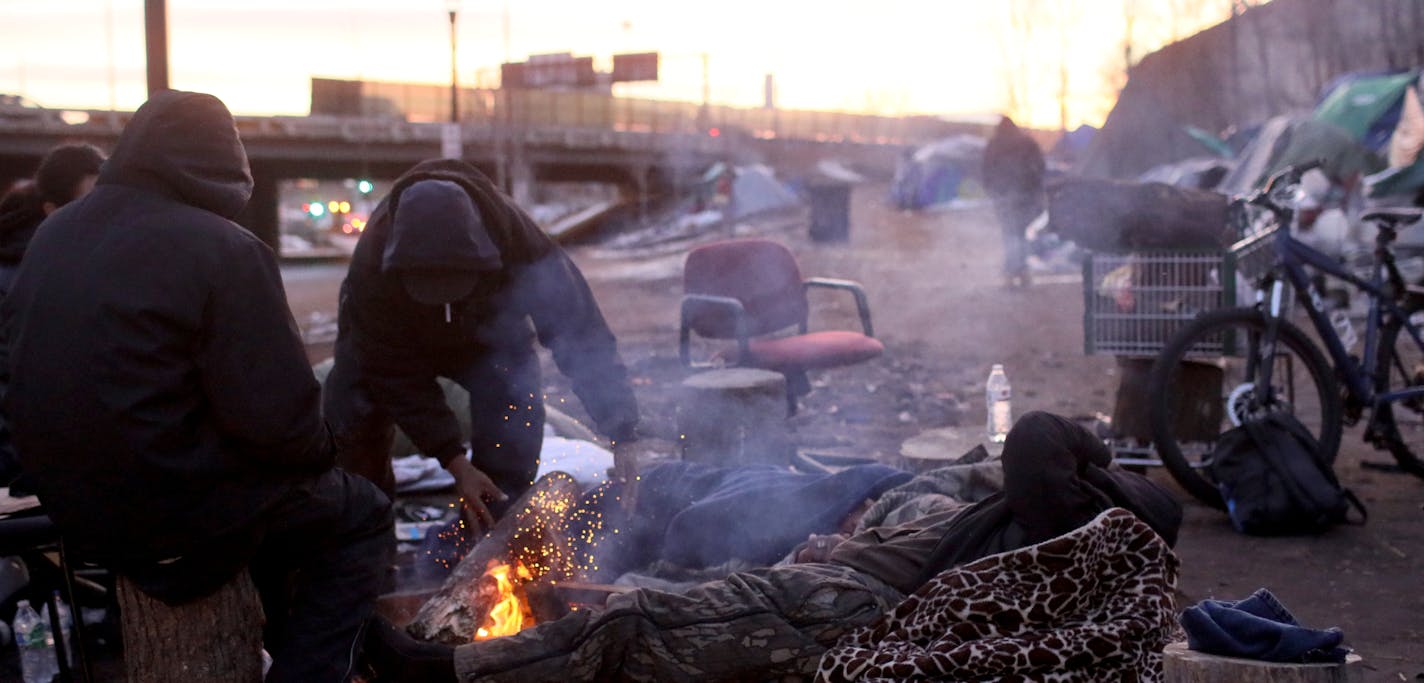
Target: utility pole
706 114
155 24
453 7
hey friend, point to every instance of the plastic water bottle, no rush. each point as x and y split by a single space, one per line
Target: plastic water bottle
66 628
997 397
36 645
1340 320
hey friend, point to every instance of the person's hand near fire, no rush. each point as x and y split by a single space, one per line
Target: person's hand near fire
476 492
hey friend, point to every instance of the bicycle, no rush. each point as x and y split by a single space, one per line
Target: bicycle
1257 346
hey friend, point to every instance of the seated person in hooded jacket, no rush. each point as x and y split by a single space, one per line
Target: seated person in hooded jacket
163 405
451 279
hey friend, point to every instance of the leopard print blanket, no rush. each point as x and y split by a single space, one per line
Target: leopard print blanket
1094 604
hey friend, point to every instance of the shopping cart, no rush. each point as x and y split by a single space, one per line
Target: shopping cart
1133 303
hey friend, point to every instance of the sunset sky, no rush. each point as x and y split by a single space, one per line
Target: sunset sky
944 57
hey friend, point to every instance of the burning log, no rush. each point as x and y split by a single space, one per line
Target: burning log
485 591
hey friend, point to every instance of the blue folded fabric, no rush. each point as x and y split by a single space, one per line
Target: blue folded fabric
1261 628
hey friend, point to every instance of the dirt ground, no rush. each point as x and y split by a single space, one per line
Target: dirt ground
939 306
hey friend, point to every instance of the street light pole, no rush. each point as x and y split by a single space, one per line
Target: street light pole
155 22
453 6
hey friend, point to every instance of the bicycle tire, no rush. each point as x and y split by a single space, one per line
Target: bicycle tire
1400 363
1319 410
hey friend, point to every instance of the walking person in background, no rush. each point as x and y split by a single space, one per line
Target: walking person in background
1013 178
162 403
452 279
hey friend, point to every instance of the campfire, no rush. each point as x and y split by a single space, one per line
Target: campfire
522 573
503 588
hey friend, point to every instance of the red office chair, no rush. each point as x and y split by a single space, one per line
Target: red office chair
750 290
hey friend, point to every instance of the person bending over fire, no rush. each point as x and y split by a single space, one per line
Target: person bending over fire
452 279
778 621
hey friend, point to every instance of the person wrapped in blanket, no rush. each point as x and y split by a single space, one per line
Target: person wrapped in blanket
778 621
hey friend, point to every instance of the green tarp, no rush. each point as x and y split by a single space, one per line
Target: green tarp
1356 106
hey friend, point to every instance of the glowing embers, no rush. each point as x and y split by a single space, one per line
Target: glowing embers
502 588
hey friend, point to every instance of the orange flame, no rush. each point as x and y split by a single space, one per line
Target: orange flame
508 613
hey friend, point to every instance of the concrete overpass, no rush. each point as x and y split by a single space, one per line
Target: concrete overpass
331 147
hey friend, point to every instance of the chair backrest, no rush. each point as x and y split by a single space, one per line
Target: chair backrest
760 273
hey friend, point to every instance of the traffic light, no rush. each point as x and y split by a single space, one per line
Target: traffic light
315 209
365 186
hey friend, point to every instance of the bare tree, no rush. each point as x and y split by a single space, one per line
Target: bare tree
1129 20
1184 17
1070 15
1020 28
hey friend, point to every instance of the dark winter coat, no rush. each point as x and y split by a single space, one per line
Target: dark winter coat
1013 163
21 211
400 346
159 391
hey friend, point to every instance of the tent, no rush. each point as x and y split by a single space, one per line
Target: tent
939 172
1293 139
1073 145
1367 105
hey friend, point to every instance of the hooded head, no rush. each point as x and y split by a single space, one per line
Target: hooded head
439 245
184 145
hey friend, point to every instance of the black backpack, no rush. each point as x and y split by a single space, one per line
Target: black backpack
1274 480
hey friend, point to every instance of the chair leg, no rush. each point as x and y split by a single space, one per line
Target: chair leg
797 385
81 654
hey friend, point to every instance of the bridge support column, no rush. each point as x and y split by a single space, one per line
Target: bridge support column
260 214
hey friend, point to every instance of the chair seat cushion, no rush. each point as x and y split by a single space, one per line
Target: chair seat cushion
814 350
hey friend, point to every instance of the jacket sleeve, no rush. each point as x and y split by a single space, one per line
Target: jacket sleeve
253 366
568 323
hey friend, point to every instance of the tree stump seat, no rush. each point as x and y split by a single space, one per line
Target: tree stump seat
1181 665
217 638
734 416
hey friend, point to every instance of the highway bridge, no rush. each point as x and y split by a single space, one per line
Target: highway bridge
640 162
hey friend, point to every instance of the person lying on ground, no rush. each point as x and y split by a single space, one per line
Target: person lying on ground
778 621
742 533
695 516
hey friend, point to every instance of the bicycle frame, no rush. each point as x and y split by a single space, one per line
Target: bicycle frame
1292 258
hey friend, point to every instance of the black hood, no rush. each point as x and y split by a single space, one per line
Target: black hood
184 145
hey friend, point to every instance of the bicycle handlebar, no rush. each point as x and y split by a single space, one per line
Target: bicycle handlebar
1269 194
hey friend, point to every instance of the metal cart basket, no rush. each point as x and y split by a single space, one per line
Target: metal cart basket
1133 303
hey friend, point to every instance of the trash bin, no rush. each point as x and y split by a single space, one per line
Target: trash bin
830 211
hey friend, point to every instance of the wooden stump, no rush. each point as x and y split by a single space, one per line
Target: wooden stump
734 416
1198 402
944 446
217 638
537 521
1181 665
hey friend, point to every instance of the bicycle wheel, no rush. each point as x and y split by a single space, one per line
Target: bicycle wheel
1204 382
1401 364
